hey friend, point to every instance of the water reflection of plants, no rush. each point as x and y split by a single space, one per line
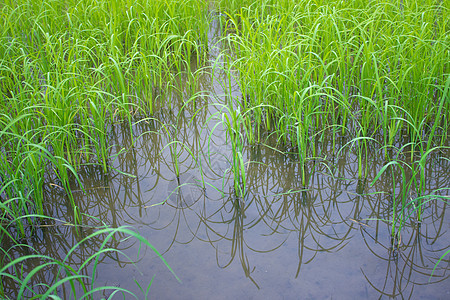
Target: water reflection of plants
414 262
228 226
312 214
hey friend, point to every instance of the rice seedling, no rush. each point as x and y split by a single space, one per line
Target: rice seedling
413 184
232 121
232 126
74 283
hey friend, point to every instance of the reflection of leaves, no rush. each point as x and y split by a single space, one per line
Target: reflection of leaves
238 242
406 262
184 191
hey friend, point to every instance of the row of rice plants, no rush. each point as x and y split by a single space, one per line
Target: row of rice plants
68 71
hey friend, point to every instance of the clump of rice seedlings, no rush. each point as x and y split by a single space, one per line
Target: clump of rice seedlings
368 71
73 283
24 163
233 121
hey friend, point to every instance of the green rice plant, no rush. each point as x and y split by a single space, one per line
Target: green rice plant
98 131
10 207
415 206
362 122
419 177
437 263
25 162
416 182
362 152
420 146
234 123
303 136
76 283
405 187
24 183
22 170
172 144
444 104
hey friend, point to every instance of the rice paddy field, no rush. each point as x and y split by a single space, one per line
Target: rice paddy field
185 149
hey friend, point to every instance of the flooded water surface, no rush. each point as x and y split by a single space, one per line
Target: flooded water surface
331 239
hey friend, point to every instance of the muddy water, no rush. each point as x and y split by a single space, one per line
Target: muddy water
330 239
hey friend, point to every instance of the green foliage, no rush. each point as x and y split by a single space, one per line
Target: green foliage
71 69
371 70
80 285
